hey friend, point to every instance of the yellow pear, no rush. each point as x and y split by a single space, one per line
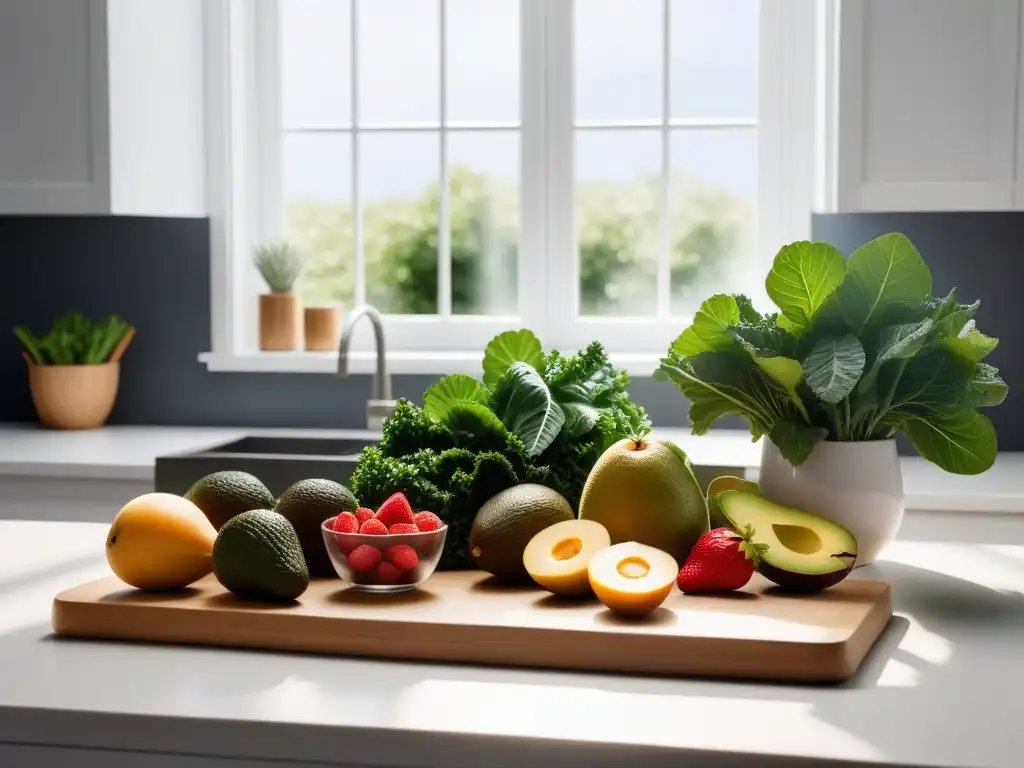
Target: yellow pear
160 541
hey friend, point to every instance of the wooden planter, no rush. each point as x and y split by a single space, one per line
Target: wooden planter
323 328
73 396
280 322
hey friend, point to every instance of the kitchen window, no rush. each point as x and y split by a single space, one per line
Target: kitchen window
589 169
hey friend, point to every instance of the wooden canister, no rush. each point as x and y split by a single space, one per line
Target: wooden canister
323 328
280 322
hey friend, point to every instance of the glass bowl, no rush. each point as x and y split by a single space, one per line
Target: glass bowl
388 569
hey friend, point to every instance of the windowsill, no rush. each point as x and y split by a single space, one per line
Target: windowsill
433 363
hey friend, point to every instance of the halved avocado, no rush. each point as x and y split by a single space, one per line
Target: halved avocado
716 488
805 552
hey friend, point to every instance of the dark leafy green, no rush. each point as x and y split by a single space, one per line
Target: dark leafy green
524 404
545 421
860 350
452 391
834 366
508 348
802 279
885 279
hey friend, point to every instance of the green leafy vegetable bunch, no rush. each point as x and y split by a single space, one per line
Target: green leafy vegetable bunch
535 418
74 340
859 350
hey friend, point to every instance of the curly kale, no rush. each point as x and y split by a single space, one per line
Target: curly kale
410 429
589 375
377 476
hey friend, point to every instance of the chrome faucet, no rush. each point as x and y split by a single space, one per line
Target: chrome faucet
380 406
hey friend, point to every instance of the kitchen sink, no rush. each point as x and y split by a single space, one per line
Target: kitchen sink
293 446
277 461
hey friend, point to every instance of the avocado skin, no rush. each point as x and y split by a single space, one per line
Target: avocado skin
307 504
800 582
717 487
257 555
222 495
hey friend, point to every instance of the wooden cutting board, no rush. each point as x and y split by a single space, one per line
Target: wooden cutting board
465 617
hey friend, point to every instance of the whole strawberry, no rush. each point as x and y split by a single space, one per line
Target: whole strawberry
722 560
396 511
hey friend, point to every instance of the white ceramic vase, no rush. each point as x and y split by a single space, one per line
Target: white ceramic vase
858 485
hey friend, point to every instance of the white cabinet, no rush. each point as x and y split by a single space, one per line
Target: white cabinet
928 105
53 138
101 107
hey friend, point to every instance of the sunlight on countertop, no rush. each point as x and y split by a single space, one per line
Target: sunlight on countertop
996 567
592 714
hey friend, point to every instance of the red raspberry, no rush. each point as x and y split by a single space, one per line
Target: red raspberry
345 523
364 558
403 528
374 527
388 574
402 556
363 514
395 510
428 521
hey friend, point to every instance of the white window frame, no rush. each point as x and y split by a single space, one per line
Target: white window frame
243 155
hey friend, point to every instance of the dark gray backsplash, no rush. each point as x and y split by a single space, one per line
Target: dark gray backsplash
979 254
155 273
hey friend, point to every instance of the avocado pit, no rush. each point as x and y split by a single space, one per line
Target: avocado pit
798 538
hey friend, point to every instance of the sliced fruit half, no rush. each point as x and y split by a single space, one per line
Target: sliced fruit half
805 552
632 579
716 488
557 557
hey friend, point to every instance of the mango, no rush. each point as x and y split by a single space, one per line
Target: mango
160 541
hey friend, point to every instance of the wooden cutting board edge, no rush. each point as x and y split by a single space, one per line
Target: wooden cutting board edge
541 647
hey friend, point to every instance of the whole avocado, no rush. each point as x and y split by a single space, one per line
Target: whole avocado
306 505
257 555
505 524
223 495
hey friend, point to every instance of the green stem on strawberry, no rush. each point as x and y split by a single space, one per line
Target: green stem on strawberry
752 551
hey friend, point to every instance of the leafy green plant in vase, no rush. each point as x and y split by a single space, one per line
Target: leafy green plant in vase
280 311
858 351
74 369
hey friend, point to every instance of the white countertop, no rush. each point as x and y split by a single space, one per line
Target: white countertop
938 690
120 452
129 453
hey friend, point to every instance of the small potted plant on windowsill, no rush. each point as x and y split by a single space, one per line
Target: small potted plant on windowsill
859 351
74 370
280 311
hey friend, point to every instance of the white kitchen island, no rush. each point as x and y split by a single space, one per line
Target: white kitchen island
941 687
